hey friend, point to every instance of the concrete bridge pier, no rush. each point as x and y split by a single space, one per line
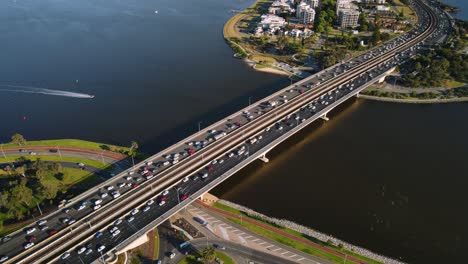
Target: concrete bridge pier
324 117
264 158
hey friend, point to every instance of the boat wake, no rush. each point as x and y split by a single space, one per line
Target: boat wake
39 90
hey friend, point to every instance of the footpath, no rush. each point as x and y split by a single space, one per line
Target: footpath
106 153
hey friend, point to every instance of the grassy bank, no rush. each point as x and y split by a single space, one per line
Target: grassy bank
90 162
192 259
291 242
72 143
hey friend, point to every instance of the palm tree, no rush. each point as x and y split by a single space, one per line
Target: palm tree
134 146
208 254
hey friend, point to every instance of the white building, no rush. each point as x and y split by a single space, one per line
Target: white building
271 21
348 18
342 4
379 2
280 6
305 13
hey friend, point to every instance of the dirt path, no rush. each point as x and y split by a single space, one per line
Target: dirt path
110 154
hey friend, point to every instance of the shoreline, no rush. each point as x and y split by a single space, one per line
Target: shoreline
413 101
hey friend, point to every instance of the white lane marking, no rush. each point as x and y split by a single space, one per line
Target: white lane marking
243 241
215 221
229 227
301 259
262 243
255 240
293 256
224 233
248 237
286 252
277 249
223 225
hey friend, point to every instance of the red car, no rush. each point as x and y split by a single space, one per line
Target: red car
52 232
210 168
135 185
162 198
237 124
183 197
30 239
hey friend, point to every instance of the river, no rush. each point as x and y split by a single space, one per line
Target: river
388 177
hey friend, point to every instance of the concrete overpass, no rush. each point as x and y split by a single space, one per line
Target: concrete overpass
238 140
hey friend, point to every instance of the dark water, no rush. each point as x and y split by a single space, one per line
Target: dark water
462 6
387 177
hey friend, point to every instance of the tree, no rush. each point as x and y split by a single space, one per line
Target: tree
21 193
208 254
21 170
18 139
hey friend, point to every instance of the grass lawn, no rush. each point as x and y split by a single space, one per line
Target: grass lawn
71 143
452 84
191 259
290 242
90 162
407 11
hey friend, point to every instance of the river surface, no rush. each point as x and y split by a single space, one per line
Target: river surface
388 177
462 6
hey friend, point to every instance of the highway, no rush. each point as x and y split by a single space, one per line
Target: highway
265 120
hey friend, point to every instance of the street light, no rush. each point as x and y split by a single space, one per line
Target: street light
199 123
1 147
250 99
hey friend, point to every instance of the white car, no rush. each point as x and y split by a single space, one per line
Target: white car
117 232
118 222
161 203
166 192
42 222
135 211
30 230
81 250
131 172
146 209
150 202
122 184
130 219
128 178
186 179
115 194
81 207
172 255
101 248
89 251
110 187
66 255
149 163
99 201
96 207
28 245
104 195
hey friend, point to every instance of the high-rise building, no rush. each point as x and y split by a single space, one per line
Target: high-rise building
313 3
348 18
305 13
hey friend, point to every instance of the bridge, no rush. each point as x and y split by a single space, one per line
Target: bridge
108 217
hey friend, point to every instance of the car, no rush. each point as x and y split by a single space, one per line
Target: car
220 247
131 172
110 187
99 201
161 203
195 177
30 230
135 185
186 179
23 150
149 163
98 234
150 202
118 222
89 251
128 178
96 207
204 175
210 168
66 255
112 229
104 195
230 155
116 233
166 192
138 179
121 185
146 208
183 197
81 207
221 161
28 245
115 194
32 153
135 211
31 238
66 210
43 227
42 222
128 184
6 238
101 248
52 232
71 221
130 219
172 255
214 162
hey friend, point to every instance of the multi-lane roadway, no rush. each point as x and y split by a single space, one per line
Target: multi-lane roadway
187 166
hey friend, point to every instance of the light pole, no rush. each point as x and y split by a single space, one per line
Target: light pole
39 207
199 123
1 147
133 161
60 153
250 99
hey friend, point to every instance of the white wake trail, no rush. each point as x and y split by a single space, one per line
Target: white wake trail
39 90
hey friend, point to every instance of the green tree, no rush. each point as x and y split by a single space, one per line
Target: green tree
21 194
18 139
208 255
